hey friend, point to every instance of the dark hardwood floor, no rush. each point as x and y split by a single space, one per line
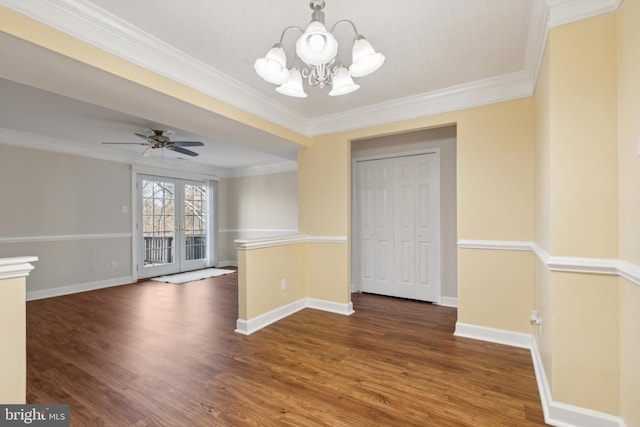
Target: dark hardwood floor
157 354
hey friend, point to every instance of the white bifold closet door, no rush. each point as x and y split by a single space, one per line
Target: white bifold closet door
397 226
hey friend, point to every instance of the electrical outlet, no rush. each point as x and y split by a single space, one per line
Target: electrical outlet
125 209
114 265
283 284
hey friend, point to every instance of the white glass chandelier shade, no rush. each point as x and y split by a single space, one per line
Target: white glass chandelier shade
273 67
293 86
365 59
343 83
316 46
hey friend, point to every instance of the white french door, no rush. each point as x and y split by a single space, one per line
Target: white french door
172 225
397 226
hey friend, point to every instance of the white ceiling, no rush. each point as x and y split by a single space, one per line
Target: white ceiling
440 55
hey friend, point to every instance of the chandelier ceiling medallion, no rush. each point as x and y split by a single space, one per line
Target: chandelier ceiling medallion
317 48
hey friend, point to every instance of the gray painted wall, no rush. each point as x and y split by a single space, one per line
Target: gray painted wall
68 211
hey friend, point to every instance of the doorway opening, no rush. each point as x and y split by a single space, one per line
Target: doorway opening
404 205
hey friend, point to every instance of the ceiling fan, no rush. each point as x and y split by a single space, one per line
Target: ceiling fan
160 139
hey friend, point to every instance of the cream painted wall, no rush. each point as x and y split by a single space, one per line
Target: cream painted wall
629 188
629 352
53 206
585 341
443 139
542 138
323 187
577 212
325 269
13 334
496 289
256 206
584 214
262 274
495 172
583 164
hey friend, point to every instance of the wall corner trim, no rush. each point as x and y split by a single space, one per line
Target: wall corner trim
14 267
555 413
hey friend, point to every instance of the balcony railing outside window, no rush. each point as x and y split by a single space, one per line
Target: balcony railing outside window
161 250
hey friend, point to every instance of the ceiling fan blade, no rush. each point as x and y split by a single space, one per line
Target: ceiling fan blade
187 143
145 137
126 143
183 151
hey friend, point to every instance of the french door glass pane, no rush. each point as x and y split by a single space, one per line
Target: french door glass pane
158 222
195 221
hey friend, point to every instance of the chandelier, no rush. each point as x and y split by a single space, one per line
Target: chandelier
317 49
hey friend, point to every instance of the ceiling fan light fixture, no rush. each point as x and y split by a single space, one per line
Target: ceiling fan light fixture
148 152
273 66
293 86
365 59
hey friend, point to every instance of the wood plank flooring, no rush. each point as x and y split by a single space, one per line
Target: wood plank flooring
157 354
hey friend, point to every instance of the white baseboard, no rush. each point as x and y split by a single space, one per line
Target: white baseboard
247 327
82 287
330 306
555 413
498 336
227 264
449 302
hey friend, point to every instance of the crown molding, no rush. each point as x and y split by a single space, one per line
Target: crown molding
261 170
57 145
567 11
488 91
95 26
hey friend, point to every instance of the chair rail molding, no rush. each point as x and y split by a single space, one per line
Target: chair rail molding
267 242
609 266
14 267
